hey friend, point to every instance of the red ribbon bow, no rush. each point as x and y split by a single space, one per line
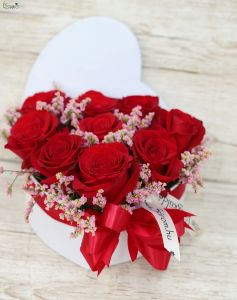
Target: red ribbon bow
143 231
143 235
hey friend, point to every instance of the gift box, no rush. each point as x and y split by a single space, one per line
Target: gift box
104 156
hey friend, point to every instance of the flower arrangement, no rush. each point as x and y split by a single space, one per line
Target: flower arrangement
104 165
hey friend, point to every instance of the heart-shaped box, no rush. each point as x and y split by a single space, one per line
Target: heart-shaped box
96 53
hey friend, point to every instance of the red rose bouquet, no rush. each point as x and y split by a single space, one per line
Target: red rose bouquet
105 165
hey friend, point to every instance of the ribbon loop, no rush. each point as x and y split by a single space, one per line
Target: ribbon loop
144 234
115 218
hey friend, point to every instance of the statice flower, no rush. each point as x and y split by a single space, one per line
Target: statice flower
128 208
89 137
87 225
146 121
1 170
66 180
56 106
190 173
12 115
29 209
134 120
58 103
99 199
131 123
74 111
61 196
145 187
137 196
122 136
155 187
9 185
145 172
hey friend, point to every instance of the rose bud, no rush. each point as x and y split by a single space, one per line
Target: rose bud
99 103
147 103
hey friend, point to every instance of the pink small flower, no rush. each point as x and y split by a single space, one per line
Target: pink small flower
29 209
1 170
91 138
99 199
192 161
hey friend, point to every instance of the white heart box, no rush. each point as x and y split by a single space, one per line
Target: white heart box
97 53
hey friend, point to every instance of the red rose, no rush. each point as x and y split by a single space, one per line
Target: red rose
59 154
159 149
109 167
29 132
30 103
99 103
159 119
187 130
101 124
148 104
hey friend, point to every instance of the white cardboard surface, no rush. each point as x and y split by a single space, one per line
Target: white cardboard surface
97 53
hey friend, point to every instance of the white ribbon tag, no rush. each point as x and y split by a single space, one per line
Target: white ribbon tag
167 227
166 202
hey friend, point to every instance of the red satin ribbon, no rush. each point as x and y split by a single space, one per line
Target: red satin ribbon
144 234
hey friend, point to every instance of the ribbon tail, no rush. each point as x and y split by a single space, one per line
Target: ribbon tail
158 258
150 247
98 249
132 248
